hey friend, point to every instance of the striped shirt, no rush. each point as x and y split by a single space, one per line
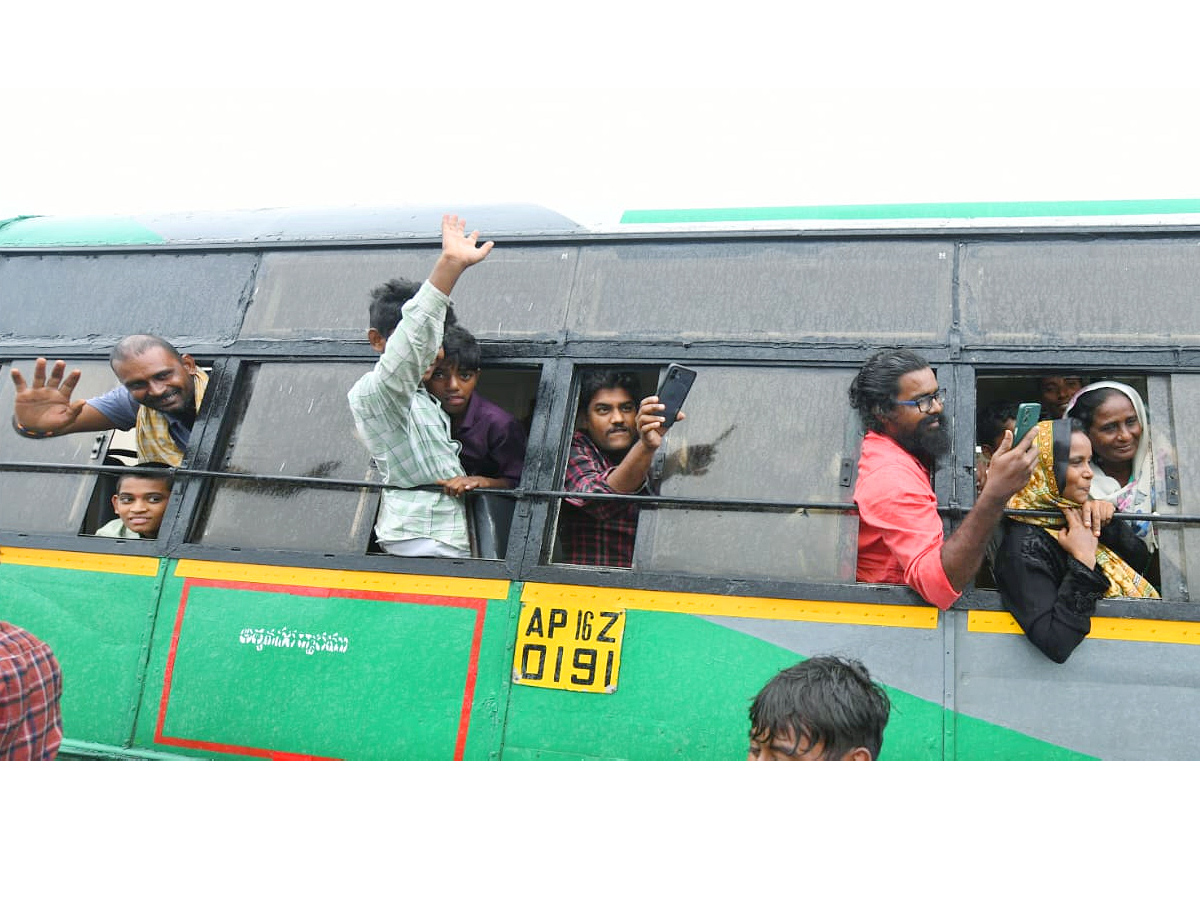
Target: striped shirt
407 432
30 690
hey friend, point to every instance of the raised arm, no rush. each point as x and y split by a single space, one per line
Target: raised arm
45 408
630 475
459 253
1010 469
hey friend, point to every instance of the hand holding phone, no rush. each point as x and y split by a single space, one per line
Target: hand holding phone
674 390
1027 417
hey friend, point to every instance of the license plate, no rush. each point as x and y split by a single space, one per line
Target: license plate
569 648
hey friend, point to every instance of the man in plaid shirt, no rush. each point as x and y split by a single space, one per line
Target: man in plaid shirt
611 453
405 428
30 690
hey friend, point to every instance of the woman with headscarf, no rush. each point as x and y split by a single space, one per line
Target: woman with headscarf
1051 573
1114 417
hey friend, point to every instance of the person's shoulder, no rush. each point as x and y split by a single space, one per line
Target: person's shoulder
583 445
881 452
115 529
483 409
492 407
1028 546
118 396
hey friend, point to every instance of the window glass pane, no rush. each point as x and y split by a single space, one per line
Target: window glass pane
47 502
105 297
517 292
294 421
488 447
1069 292
1185 390
893 291
724 451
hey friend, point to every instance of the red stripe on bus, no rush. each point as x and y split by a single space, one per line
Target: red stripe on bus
464 722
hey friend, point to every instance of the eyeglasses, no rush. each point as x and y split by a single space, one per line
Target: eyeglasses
925 403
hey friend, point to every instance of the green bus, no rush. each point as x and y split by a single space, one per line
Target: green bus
263 622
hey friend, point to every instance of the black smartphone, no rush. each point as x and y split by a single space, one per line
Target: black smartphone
674 389
1027 417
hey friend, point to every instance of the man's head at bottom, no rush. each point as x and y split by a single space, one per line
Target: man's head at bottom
825 708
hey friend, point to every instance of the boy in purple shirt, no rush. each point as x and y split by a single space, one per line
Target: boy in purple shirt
492 441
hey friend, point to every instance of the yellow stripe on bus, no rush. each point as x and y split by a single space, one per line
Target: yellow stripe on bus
384 582
741 607
1106 629
80 562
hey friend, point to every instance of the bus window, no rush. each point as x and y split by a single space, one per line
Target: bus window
121 451
325 293
514 390
1181 492
602 432
890 291
95 297
747 438
1160 473
292 420
737 453
1066 293
50 502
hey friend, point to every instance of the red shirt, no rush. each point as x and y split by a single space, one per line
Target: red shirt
30 689
899 531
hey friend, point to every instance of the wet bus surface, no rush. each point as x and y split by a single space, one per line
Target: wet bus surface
263 622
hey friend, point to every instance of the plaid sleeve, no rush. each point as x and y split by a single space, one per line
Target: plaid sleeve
30 691
386 394
587 469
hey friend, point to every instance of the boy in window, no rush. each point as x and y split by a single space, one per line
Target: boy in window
140 501
401 424
492 440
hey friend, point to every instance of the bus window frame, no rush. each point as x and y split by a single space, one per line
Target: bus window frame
233 391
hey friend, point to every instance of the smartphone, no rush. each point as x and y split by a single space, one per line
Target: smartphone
674 389
1027 417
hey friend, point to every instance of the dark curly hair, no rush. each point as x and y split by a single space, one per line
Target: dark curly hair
604 379
825 699
387 301
873 391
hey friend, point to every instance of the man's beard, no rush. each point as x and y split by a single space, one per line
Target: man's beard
925 440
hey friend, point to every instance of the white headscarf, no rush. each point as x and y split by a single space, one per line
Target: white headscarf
1138 495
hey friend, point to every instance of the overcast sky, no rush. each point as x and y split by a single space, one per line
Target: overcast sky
590 112
590 154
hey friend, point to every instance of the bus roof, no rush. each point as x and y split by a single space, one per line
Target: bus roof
280 226
925 215
275 226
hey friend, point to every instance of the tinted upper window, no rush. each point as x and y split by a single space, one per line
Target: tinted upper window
777 290
517 292
102 298
1068 293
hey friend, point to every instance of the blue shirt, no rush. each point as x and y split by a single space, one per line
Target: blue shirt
119 407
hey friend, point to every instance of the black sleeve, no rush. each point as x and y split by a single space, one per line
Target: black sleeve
1050 593
1122 540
